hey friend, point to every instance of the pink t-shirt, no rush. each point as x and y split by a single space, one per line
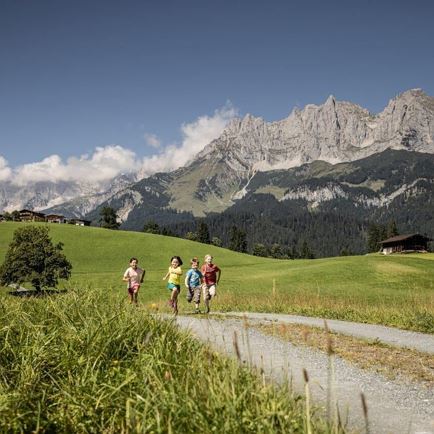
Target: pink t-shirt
134 276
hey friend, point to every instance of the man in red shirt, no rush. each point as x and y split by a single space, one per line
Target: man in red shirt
211 277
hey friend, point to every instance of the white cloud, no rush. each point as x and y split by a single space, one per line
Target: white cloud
152 140
196 135
5 170
105 163
109 161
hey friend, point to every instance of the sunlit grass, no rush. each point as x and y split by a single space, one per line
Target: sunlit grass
392 290
88 362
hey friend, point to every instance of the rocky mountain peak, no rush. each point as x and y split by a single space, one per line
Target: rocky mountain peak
330 101
410 98
334 131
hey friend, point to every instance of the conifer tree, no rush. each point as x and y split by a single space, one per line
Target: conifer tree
238 240
108 218
392 229
203 233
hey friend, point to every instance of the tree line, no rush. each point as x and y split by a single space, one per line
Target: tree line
301 236
237 241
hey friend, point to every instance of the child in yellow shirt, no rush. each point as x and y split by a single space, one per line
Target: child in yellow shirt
174 283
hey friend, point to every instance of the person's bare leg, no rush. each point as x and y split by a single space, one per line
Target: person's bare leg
206 298
174 299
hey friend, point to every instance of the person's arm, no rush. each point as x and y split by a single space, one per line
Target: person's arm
143 276
219 275
126 277
187 280
202 270
167 275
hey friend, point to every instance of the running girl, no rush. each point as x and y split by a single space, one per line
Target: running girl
174 283
134 276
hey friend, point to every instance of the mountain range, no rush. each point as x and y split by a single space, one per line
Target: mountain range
305 158
330 206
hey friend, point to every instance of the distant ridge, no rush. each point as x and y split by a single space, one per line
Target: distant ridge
334 132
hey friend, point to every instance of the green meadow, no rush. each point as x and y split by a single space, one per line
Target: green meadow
391 290
87 361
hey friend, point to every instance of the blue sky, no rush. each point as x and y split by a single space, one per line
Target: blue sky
77 75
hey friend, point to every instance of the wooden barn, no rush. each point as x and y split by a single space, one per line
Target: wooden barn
55 218
27 215
405 244
79 222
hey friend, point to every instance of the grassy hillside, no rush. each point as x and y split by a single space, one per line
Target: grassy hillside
392 290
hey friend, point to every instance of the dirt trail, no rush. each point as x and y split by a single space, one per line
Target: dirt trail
387 335
394 407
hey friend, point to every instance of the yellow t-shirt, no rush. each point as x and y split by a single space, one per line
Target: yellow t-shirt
175 275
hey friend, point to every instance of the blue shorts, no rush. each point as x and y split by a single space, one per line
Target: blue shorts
172 286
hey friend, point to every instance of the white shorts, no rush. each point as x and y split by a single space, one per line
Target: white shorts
209 291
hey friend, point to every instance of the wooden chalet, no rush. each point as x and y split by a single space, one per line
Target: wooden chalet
27 215
55 218
79 222
405 244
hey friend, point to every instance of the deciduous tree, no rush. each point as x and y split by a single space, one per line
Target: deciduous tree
216 241
260 249
151 227
32 257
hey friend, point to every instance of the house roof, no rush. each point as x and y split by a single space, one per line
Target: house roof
32 212
403 237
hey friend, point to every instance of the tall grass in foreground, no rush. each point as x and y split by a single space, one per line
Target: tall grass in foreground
87 362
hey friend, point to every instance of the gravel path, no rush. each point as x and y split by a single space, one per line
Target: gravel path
393 407
388 335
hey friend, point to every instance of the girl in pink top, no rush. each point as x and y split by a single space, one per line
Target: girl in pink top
134 276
